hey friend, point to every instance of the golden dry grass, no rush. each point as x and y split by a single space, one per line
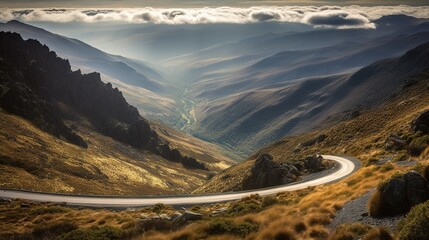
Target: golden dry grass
31 159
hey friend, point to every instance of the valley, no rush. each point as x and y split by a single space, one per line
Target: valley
266 123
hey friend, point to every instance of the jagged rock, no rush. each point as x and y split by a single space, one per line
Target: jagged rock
24 205
164 216
395 142
417 190
313 163
267 173
175 216
219 211
394 196
36 82
189 216
421 123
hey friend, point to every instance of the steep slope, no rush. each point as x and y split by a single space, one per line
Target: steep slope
40 87
300 105
122 72
364 134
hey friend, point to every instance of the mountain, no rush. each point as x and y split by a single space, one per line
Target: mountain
357 116
259 116
42 88
157 42
133 76
230 91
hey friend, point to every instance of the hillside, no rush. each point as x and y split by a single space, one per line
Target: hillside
141 84
291 96
77 122
378 100
304 214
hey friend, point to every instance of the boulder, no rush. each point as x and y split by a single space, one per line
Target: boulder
417 190
219 211
393 194
188 216
267 173
421 123
313 163
175 216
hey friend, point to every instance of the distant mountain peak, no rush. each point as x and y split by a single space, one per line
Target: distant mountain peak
398 20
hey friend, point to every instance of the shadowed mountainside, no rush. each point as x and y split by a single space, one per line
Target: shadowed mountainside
41 87
141 84
386 93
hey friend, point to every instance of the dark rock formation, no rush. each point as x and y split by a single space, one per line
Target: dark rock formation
417 190
188 216
34 82
394 196
267 173
399 194
395 142
421 123
313 163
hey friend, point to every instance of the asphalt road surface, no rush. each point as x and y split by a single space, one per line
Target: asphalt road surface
347 167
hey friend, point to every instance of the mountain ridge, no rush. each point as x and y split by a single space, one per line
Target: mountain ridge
39 80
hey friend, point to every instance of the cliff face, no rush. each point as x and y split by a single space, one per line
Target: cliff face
36 84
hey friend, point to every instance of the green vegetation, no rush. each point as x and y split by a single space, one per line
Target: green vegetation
104 233
350 231
225 226
416 224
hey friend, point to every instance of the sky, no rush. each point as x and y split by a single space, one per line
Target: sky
196 3
312 13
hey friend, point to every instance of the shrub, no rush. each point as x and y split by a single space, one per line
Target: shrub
49 210
225 226
300 227
349 231
54 230
104 233
416 224
401 156
387 167
375 205
378 234
155 224
268 201
244 207
158 207
278 234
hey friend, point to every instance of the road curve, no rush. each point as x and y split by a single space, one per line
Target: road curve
347 167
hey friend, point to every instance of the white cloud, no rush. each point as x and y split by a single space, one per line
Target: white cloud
325 16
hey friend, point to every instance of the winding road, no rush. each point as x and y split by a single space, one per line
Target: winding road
347 166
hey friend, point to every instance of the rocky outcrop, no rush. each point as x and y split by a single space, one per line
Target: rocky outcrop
267 173
421 123
394 196
417 189
41 87
401 193
313 163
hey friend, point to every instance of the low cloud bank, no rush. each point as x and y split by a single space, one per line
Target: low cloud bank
326 16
